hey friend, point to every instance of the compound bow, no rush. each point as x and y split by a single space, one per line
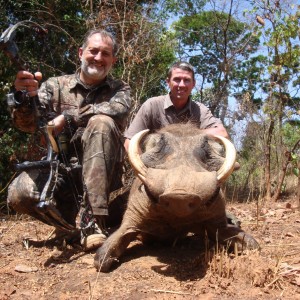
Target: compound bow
46 205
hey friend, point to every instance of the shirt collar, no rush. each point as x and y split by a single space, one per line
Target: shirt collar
76 80
168 103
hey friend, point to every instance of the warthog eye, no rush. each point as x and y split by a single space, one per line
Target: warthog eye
157 149
206 155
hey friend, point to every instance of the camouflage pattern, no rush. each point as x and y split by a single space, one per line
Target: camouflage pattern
101 153
25 191
96 117
68 95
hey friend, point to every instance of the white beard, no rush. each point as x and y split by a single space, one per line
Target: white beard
93 71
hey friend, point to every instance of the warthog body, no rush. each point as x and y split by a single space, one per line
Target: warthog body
177 191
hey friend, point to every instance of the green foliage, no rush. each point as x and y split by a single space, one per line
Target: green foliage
291 137
54 50
291 133
219 47
145 51
169 8
295 159
279 36
205 32
225 51
247 77
12 144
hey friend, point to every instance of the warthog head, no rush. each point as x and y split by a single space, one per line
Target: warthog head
181 168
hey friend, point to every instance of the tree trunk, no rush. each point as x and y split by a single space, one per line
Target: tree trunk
285 164
298 185
268 139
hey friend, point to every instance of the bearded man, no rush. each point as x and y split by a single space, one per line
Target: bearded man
89 109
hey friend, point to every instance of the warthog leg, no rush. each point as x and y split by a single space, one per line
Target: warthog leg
231 235
113 248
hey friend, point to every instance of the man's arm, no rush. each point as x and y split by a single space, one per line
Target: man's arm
218 130
126 144
118 107
141 121
210 124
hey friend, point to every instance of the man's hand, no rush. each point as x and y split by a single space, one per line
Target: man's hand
219 130
26 81
58 124
126 144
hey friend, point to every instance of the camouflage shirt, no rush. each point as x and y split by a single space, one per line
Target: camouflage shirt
68 95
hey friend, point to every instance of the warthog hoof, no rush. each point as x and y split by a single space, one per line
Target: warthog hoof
102 261
246 241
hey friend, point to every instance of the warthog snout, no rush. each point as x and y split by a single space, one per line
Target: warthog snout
180 204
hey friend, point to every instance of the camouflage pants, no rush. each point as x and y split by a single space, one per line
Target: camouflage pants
25 191
101 147
101 161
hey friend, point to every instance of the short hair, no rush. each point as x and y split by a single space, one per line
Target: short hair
104 34
183 66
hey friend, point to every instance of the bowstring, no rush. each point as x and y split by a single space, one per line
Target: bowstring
64 156
86 218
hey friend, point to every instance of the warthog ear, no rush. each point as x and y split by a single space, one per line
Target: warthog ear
134 157
150 142
230 157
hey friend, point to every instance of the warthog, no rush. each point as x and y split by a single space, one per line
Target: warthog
177 191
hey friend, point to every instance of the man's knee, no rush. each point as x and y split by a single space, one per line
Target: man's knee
101 121
101 129
22 193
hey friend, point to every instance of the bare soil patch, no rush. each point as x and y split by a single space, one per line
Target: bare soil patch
32 266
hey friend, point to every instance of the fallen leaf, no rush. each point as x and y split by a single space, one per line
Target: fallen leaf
289 234
25 269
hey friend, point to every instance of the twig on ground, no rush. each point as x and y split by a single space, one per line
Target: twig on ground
282 245
272 282
171 292
50 234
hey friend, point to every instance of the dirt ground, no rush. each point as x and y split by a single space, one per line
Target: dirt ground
34 267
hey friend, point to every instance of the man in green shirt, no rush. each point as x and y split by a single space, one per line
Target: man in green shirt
90 108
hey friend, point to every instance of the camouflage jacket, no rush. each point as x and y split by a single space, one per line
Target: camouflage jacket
69 96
